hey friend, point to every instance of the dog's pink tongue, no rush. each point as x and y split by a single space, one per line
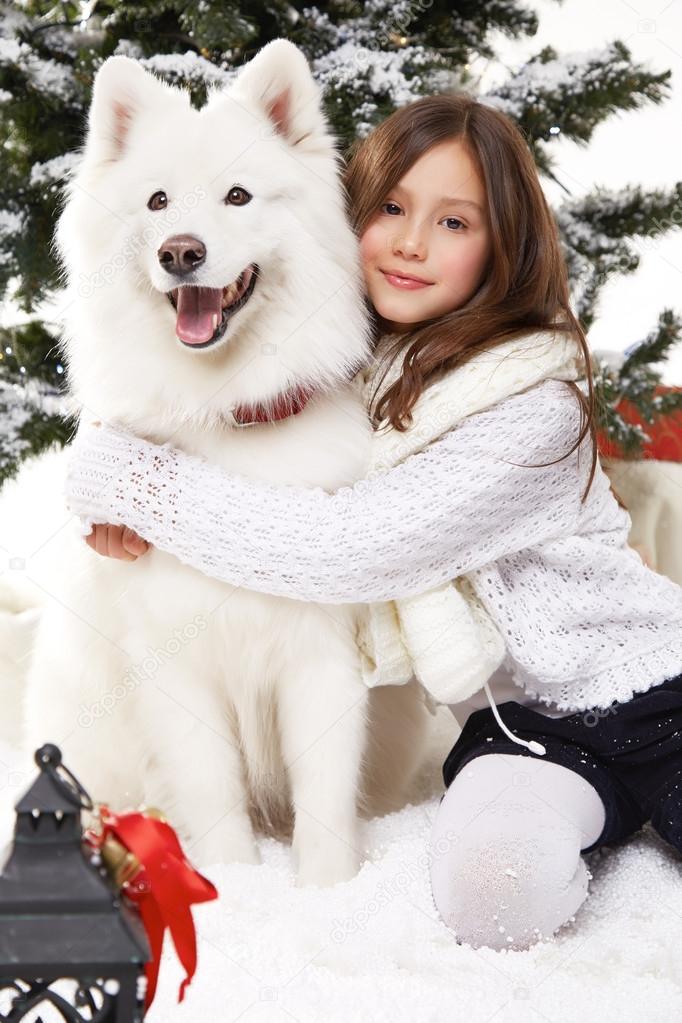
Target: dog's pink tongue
196 308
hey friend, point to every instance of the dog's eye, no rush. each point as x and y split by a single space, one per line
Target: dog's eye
238 196
158 201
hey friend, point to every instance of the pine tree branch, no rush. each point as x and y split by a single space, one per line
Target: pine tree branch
370 57
571 94
598 229
636 380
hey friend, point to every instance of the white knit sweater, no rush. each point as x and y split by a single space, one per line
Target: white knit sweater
584 621
445 637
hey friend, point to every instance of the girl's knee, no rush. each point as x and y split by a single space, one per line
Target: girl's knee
503 873
504 897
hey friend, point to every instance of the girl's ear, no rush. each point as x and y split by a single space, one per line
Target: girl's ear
278 84
121 91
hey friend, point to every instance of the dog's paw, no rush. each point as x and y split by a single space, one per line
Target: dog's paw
221 846
323 871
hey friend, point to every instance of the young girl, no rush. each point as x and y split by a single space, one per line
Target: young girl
497 488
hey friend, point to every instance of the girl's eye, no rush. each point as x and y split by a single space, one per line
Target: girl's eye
453 220
238 196
388 207
158 201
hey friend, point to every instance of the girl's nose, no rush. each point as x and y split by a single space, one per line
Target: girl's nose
410 242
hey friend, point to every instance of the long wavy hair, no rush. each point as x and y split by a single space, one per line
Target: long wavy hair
525 285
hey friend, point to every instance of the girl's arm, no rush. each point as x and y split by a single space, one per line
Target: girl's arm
441 513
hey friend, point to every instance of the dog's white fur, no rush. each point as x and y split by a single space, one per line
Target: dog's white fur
226 708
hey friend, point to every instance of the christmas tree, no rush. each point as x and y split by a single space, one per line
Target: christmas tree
371 58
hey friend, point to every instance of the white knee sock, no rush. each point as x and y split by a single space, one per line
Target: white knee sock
506 868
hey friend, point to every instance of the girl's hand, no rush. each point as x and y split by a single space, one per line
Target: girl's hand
116 542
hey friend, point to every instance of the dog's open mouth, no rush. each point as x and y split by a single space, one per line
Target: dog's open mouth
203 313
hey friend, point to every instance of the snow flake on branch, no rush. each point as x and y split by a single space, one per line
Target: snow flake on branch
627 212
188 67
10 223
604 230
376 78
546 73
574 92
56 170
46 76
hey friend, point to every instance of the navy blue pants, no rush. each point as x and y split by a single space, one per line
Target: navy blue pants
630 752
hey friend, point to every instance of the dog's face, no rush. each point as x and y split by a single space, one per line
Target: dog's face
215 199
192 234
209 229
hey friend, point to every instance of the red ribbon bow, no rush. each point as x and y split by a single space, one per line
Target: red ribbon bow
164 889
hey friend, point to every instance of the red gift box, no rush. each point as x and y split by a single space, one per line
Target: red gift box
665 433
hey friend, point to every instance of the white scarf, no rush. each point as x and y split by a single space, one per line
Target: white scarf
445 637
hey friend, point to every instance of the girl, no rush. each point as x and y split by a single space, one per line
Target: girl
477 509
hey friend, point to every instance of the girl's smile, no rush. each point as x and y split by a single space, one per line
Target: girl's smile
404 280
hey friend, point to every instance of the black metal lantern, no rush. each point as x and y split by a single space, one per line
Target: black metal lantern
66 940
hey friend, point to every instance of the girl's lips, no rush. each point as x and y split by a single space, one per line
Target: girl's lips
406 283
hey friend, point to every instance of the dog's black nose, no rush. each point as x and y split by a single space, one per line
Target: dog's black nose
182 254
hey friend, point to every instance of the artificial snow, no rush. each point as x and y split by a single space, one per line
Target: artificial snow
18 403
46 76
58 169
374 949
189 67
561 76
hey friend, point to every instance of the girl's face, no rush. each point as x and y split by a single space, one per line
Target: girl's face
425 252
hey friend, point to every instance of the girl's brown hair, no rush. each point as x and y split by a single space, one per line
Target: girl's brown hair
525 286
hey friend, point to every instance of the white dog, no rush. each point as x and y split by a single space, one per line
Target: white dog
209 263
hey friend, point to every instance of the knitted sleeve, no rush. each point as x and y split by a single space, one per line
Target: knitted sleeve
457 505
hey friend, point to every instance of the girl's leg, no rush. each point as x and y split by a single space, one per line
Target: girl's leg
506 868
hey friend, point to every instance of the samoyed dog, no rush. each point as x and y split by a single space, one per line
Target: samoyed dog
208 263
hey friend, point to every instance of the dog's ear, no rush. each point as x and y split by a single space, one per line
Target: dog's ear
278 82
122 89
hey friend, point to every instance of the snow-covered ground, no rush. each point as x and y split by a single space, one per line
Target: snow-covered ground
374 949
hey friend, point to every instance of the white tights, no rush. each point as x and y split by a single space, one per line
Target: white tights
505 860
